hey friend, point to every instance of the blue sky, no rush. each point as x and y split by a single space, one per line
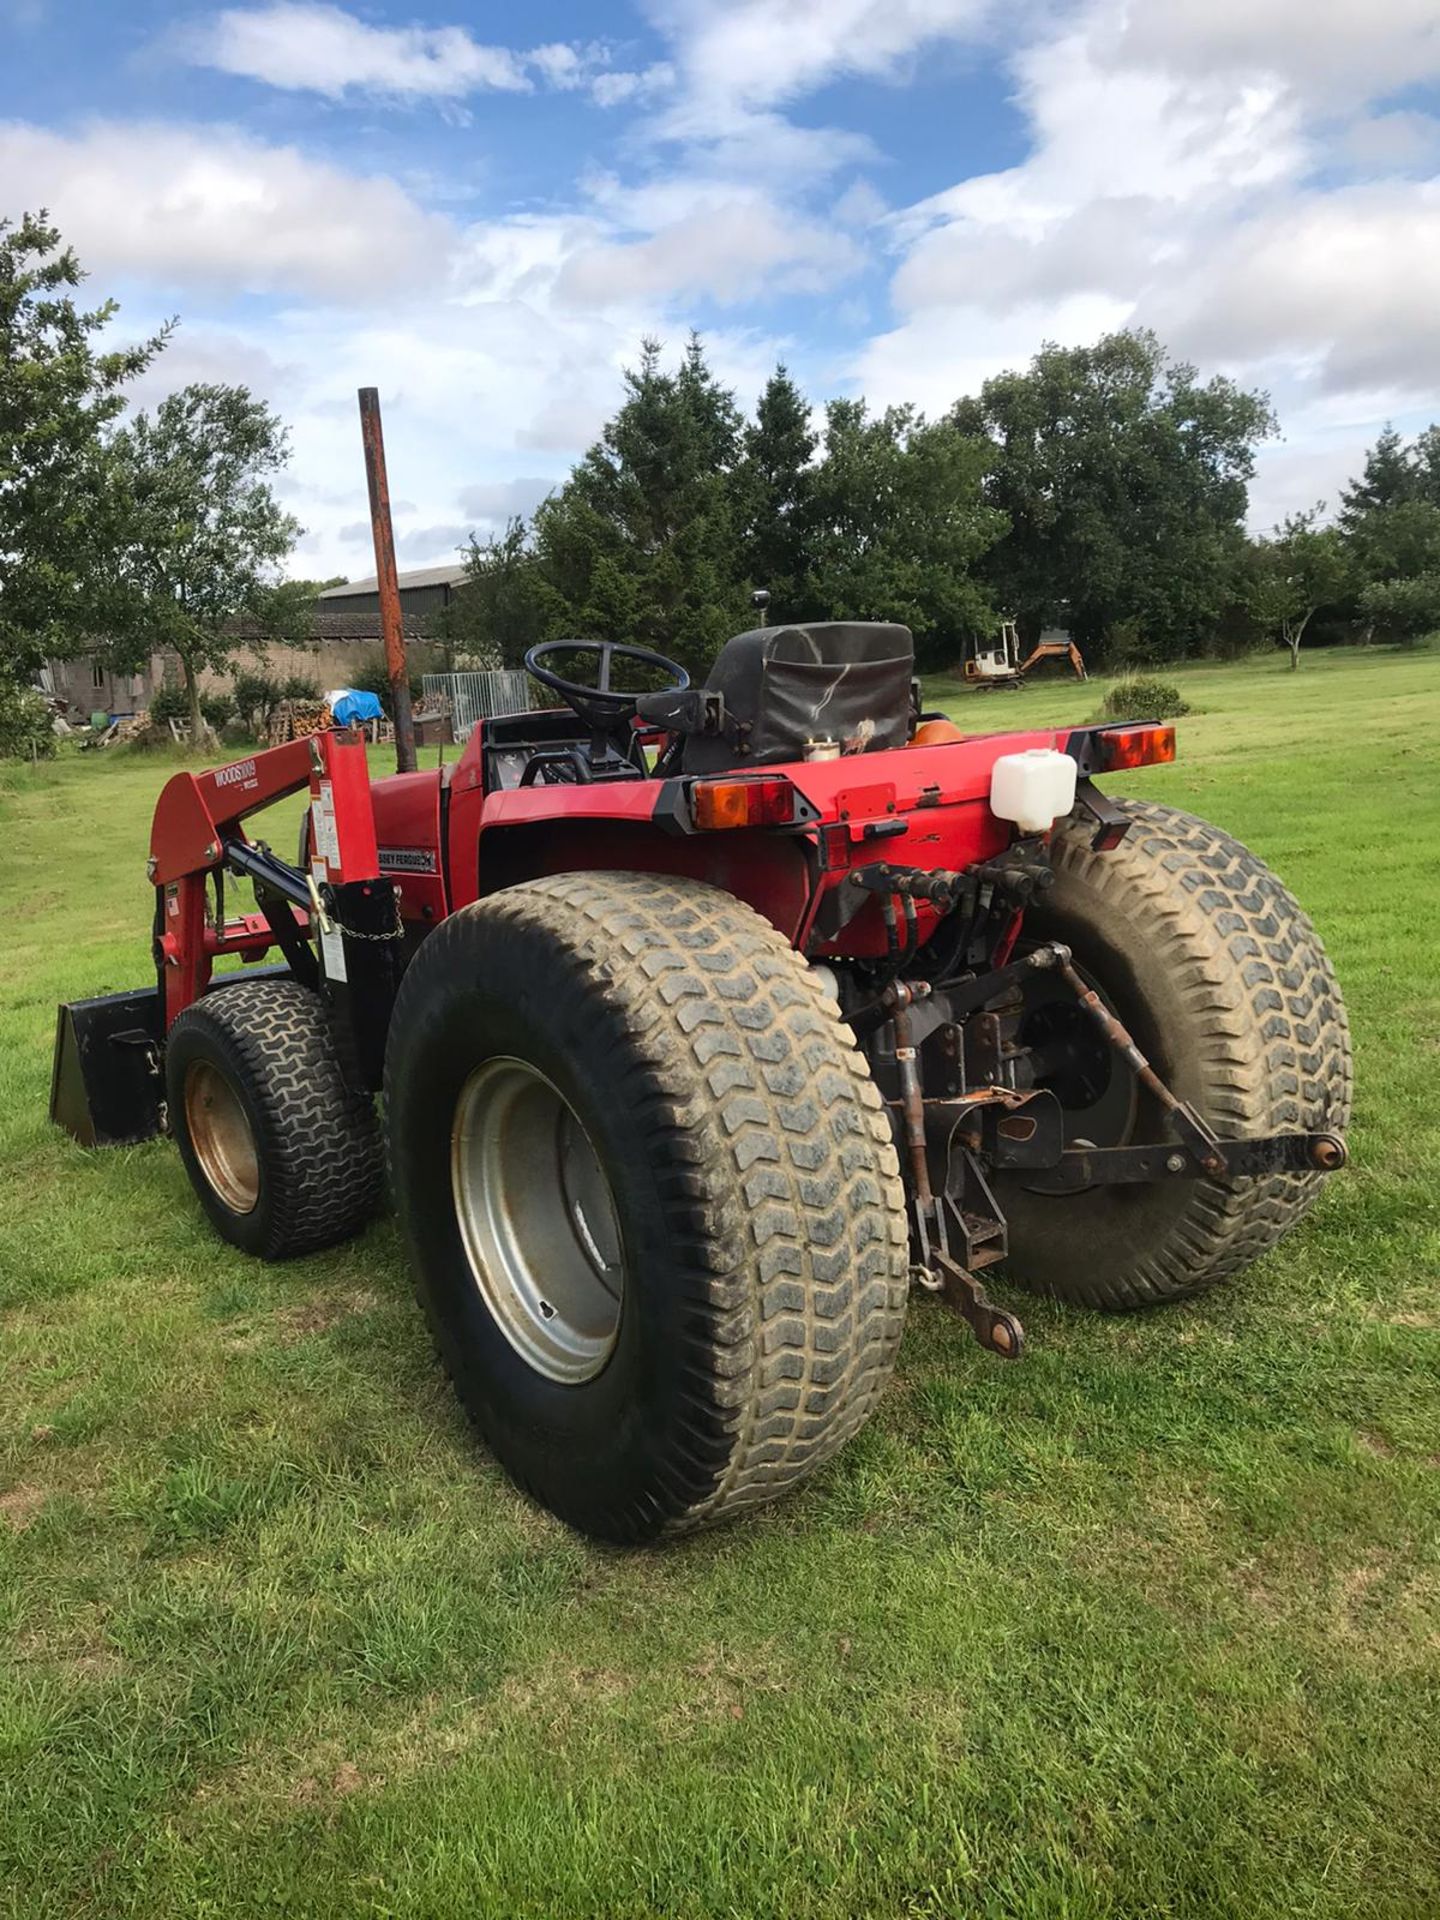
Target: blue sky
482 209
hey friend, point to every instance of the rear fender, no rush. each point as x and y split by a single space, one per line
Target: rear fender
769 871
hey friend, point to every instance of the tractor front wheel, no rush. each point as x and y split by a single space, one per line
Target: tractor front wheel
651 1198
283 1154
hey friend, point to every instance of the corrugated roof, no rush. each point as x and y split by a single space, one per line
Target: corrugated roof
418 577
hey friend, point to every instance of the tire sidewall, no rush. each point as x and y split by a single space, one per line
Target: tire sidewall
482 990
196 1037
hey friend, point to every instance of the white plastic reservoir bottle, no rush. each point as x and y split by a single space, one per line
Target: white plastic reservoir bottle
1034 788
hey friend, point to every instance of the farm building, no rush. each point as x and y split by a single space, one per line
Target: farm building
423 593
344 638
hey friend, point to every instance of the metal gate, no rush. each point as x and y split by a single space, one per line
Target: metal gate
479 696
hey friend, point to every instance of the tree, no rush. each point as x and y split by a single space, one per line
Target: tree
1391 523
204 532
1387 480
639 544
901 523
284 613
1124 481
496 616
1425 465
1304 567
58 398
775 496
1403 610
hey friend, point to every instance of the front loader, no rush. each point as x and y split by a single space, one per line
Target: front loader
710 1023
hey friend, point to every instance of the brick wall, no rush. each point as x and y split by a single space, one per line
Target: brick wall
331 663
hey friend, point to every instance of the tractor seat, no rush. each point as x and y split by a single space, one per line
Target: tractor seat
846 681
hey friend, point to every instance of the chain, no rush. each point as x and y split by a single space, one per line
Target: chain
397 932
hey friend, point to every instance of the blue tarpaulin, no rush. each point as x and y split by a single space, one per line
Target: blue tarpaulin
351 707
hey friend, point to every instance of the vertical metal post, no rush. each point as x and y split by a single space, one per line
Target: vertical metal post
391 625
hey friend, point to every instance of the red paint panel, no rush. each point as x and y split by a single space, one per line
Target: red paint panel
185 962
941 793
767 870
606 800
407 835
346 776
871 802
950 771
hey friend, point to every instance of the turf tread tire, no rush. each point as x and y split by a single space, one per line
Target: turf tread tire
318 1142
1263 1044
773 1165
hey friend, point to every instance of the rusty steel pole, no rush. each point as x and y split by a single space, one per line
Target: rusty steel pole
391 625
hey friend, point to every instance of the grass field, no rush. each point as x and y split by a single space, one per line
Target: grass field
1148 1625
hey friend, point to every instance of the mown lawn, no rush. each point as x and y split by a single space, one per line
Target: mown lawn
1147 1625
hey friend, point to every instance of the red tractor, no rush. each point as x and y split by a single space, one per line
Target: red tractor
710 1022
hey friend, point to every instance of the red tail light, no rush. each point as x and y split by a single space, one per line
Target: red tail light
1120 747
765 800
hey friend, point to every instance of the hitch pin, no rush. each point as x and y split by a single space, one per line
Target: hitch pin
316 905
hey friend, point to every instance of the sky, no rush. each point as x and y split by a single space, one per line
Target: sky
482 209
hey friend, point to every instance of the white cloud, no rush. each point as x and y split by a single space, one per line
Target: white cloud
559 64
618 88
1182 175
861 205
482 379
727 247
322 49
311 46
734 59
757 53
1102 134
211 206
940 355
1347 282
207 352
419 545
737 65
1393 142
494 502
1334 50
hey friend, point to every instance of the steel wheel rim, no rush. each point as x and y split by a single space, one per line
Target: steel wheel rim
537 1221
220 1133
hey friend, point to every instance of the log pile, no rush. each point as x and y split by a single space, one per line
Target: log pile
296 719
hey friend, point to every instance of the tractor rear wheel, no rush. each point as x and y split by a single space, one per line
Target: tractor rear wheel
651 1198
1224 983
284 1155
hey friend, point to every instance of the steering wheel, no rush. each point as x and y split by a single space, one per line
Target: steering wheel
601 706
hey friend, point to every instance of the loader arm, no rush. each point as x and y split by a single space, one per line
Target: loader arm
198 820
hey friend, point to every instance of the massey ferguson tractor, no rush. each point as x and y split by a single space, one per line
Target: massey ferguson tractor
710 1023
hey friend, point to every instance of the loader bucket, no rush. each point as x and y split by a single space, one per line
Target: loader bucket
106 1086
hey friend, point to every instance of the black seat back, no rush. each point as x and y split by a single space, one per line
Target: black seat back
841 680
